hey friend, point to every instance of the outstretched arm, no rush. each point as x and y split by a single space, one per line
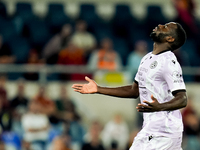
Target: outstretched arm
179 101
129 91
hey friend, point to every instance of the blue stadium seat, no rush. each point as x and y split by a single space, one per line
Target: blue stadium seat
121 46
38 33
154 17
122 10
123 20
3 10
103 29
7 29
88 13
190 49
56 17
20 48
24 10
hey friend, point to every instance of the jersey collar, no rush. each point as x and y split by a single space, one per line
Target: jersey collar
163 51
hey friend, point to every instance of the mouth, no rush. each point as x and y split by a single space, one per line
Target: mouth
155 29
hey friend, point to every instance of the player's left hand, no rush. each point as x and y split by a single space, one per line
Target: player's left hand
149 106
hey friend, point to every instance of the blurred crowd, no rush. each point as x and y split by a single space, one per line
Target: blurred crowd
42 123
89 39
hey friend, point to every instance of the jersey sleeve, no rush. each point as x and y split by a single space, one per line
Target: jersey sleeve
173 76
136 77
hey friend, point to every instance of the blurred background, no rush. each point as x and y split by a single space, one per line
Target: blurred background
48 45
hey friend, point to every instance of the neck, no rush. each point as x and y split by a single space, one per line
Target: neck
159 47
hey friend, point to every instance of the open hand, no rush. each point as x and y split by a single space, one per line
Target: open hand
149 106
88 88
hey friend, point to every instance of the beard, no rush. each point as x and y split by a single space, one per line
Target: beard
158 38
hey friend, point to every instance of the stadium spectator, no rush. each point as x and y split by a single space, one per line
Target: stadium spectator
92 138
2 145
115 133
20 100
106 58
134 58
3 92
56 44
19 107
47 105
74 128
191 127
33 59
82 38
6 118
186 11
36 126
71 55
61 143
6 56
64 103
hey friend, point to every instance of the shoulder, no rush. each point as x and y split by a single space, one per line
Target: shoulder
146 56
168 58
170 62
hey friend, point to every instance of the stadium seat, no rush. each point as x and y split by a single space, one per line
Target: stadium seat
190 49
56 17
122 21
24 10
103 29
20 48
121 46
3 10
7 29
88 13
38 33
154 17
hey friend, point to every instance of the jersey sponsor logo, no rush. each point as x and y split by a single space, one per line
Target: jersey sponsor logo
153 64
140 73
143 69
141 78
177 76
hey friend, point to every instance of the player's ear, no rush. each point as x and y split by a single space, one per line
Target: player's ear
170 39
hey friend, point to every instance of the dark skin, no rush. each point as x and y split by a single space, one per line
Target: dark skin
132 91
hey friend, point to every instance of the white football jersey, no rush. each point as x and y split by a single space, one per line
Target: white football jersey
161 76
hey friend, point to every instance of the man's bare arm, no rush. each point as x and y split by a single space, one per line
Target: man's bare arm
179 101
130 91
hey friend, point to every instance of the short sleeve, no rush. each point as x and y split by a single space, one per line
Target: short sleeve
173 76
136 77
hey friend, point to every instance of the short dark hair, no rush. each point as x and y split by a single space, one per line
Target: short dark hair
180 37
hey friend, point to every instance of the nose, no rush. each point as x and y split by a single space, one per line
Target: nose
160 26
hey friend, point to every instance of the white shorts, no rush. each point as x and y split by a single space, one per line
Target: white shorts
156 143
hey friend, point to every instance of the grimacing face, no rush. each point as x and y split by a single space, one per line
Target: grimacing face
161 31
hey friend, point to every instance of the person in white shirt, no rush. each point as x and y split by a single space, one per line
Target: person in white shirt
116 131
35 125
82 38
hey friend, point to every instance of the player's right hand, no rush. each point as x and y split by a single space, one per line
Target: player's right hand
89 88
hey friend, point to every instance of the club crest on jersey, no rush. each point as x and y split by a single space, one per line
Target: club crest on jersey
153 64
